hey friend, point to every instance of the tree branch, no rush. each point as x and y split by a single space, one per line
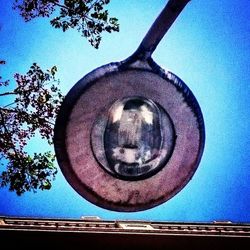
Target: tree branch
7 132
7 93
93 4
7 105
61 6
17 111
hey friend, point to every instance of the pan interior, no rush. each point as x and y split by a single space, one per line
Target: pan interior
84 118
133 139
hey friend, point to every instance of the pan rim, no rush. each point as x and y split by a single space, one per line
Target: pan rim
68 104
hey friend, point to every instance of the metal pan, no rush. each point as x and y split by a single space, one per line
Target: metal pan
130 135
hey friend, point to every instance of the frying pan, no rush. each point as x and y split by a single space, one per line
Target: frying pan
130 135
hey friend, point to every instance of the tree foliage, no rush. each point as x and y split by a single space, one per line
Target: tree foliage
36 97
89 17
35 103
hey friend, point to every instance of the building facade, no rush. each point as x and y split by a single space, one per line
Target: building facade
94 233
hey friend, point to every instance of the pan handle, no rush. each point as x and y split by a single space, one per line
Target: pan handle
160 26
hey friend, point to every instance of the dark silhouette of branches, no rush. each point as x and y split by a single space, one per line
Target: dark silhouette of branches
36 99
89 17
33 109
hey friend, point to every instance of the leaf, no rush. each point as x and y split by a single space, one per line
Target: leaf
53 70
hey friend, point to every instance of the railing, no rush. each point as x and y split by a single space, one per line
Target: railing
147 227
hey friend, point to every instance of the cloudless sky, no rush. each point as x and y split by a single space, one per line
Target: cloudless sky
208 47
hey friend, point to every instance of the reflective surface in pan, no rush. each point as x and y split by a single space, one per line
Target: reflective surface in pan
136 137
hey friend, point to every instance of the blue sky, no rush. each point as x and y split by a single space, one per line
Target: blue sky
208 47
